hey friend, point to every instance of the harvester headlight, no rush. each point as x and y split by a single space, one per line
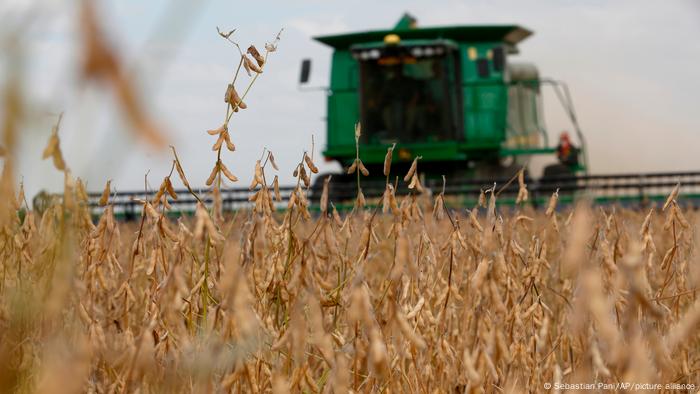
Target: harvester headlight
364 55
374 54
429 51
392 39
417 51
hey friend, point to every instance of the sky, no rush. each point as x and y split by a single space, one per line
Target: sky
631 66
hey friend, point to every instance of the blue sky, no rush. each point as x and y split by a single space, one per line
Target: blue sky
631 66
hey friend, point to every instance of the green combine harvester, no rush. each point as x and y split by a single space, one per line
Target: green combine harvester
451 94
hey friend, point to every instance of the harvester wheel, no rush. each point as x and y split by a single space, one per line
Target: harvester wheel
341 188
557 176
557 170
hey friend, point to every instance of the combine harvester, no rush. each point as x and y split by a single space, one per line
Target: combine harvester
449 94
454 96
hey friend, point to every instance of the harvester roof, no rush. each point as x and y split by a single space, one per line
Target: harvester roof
510 34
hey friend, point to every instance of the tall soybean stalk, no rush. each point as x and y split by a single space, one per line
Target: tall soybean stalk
234 102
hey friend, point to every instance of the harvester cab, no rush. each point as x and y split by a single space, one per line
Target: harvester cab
450 94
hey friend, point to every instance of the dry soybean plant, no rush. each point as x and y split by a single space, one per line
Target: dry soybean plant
382 299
